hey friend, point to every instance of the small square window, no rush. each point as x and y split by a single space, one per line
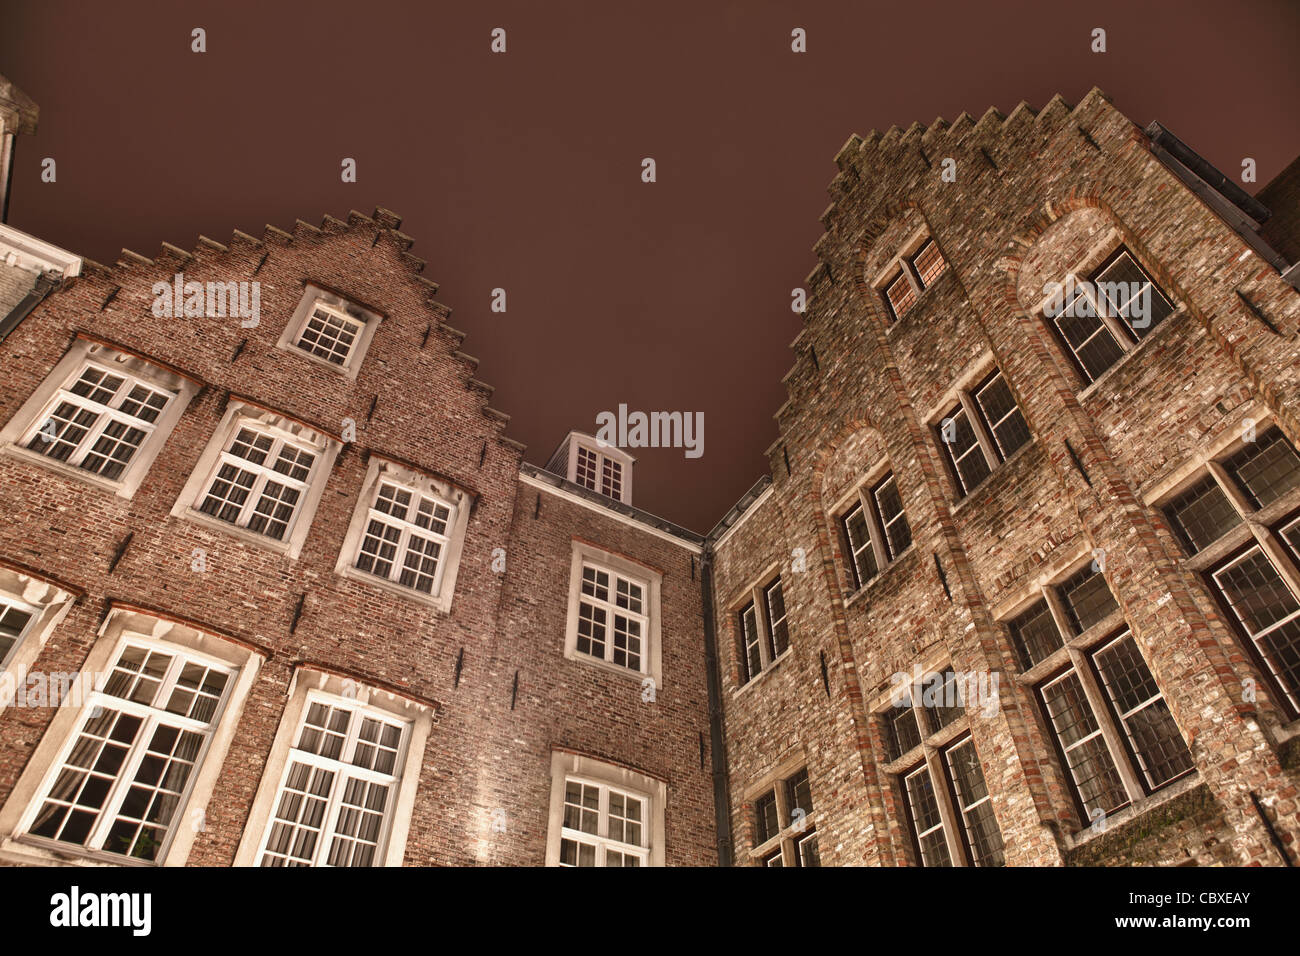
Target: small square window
1087 598
1202 515
330 335
928 263
900 295
1265 469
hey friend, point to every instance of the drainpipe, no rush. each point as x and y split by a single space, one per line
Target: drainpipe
717 749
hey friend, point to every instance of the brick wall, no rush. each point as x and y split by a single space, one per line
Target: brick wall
1033 193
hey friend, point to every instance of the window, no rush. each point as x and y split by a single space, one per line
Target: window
330 330
1115 735
1103 318
329 335
101 414
127 771
259 482
929 748
611 622
763 629
336 796
261 477
603 815
874 530
406 535
981 431
598 472
15 616
613 612
910 276
783 830
340 781
1251 566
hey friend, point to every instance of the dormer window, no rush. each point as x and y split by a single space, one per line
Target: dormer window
602 468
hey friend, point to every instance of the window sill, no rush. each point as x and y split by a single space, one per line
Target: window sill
243 534
1159 331
626 672
118 488
28 850
853 598
773 665
437 600
774 843
347 371
1016 455
1114 822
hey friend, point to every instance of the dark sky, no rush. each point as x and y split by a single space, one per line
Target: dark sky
522 170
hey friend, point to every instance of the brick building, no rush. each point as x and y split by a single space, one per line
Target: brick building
326 617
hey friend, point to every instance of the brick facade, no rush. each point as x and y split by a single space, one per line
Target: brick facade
1034 195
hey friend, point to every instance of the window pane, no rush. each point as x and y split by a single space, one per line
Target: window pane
862 554
928 263
1202 515
585 474
329 336
1127 292
765 812
1095 777
900 295
776 616
1265 469
1005 422
944 699
799 793
1035 635
904 734
751 656
1268 612
964 452
982 833
926 822
1087 599
1091 343
1151 731
889 505
806 851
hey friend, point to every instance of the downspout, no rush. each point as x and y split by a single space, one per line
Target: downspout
717 749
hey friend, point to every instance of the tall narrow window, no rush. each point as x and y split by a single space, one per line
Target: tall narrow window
763 629
874 529
334 804
128 768
984 429
927 822
983 838
611 617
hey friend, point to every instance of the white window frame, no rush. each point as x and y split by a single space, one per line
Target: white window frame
310 685
243 414
86 352
381 471
603 453
50 603
566 766
125 624
316 297
651 582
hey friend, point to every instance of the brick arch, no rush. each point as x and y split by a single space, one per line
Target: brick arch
871 235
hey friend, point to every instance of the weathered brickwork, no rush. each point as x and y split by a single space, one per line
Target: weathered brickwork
1035 194
484 778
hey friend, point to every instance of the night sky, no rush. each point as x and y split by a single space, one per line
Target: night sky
522 170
